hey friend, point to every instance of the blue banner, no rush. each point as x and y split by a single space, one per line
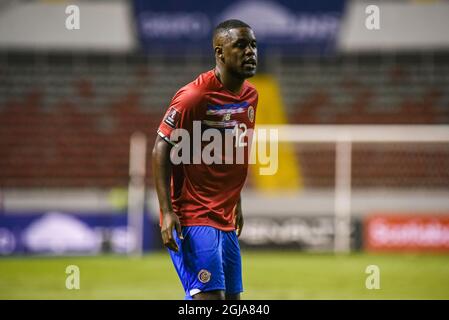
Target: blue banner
62 233
291 26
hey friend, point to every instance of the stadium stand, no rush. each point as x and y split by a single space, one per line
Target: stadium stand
65 120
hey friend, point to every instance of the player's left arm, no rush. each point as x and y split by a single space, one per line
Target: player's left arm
238 217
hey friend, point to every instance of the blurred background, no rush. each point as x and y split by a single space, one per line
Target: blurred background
360 88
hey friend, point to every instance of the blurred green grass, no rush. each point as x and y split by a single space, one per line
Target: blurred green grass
267 275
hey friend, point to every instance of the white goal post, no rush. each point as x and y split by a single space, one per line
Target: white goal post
136 192
344 136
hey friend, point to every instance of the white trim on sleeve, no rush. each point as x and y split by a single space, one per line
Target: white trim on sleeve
163 136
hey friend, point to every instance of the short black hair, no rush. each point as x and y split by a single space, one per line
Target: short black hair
230 24
223 28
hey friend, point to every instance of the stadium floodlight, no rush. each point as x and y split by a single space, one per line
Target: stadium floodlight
136 192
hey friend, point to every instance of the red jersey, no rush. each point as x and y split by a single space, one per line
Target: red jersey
201 193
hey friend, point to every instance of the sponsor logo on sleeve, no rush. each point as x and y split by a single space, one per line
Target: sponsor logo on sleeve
172 117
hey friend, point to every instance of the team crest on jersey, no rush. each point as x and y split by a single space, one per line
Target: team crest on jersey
204 276
172 117
251 113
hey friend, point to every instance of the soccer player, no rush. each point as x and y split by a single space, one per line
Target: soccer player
200 206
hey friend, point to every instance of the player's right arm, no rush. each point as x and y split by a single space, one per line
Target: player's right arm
162 173
179 115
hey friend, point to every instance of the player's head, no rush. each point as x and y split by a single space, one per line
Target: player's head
235 48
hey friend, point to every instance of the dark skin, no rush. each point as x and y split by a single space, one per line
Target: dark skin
236 59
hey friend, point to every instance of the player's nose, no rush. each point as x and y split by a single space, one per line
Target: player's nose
250 51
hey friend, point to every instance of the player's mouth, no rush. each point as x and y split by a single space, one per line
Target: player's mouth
250 63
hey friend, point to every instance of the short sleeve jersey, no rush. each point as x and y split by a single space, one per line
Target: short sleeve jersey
220 125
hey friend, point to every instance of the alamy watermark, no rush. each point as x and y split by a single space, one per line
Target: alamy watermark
72 282
373 280
72 22
372 21
237 145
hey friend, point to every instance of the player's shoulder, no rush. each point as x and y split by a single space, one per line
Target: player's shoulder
250 88
251 91
196 89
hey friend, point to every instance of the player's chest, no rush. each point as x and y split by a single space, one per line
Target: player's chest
229 113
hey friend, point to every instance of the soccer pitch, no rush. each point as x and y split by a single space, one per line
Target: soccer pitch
267 275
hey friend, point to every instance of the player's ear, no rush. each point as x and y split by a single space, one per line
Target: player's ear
219 53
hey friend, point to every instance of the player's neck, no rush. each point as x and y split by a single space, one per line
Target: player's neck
231 83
